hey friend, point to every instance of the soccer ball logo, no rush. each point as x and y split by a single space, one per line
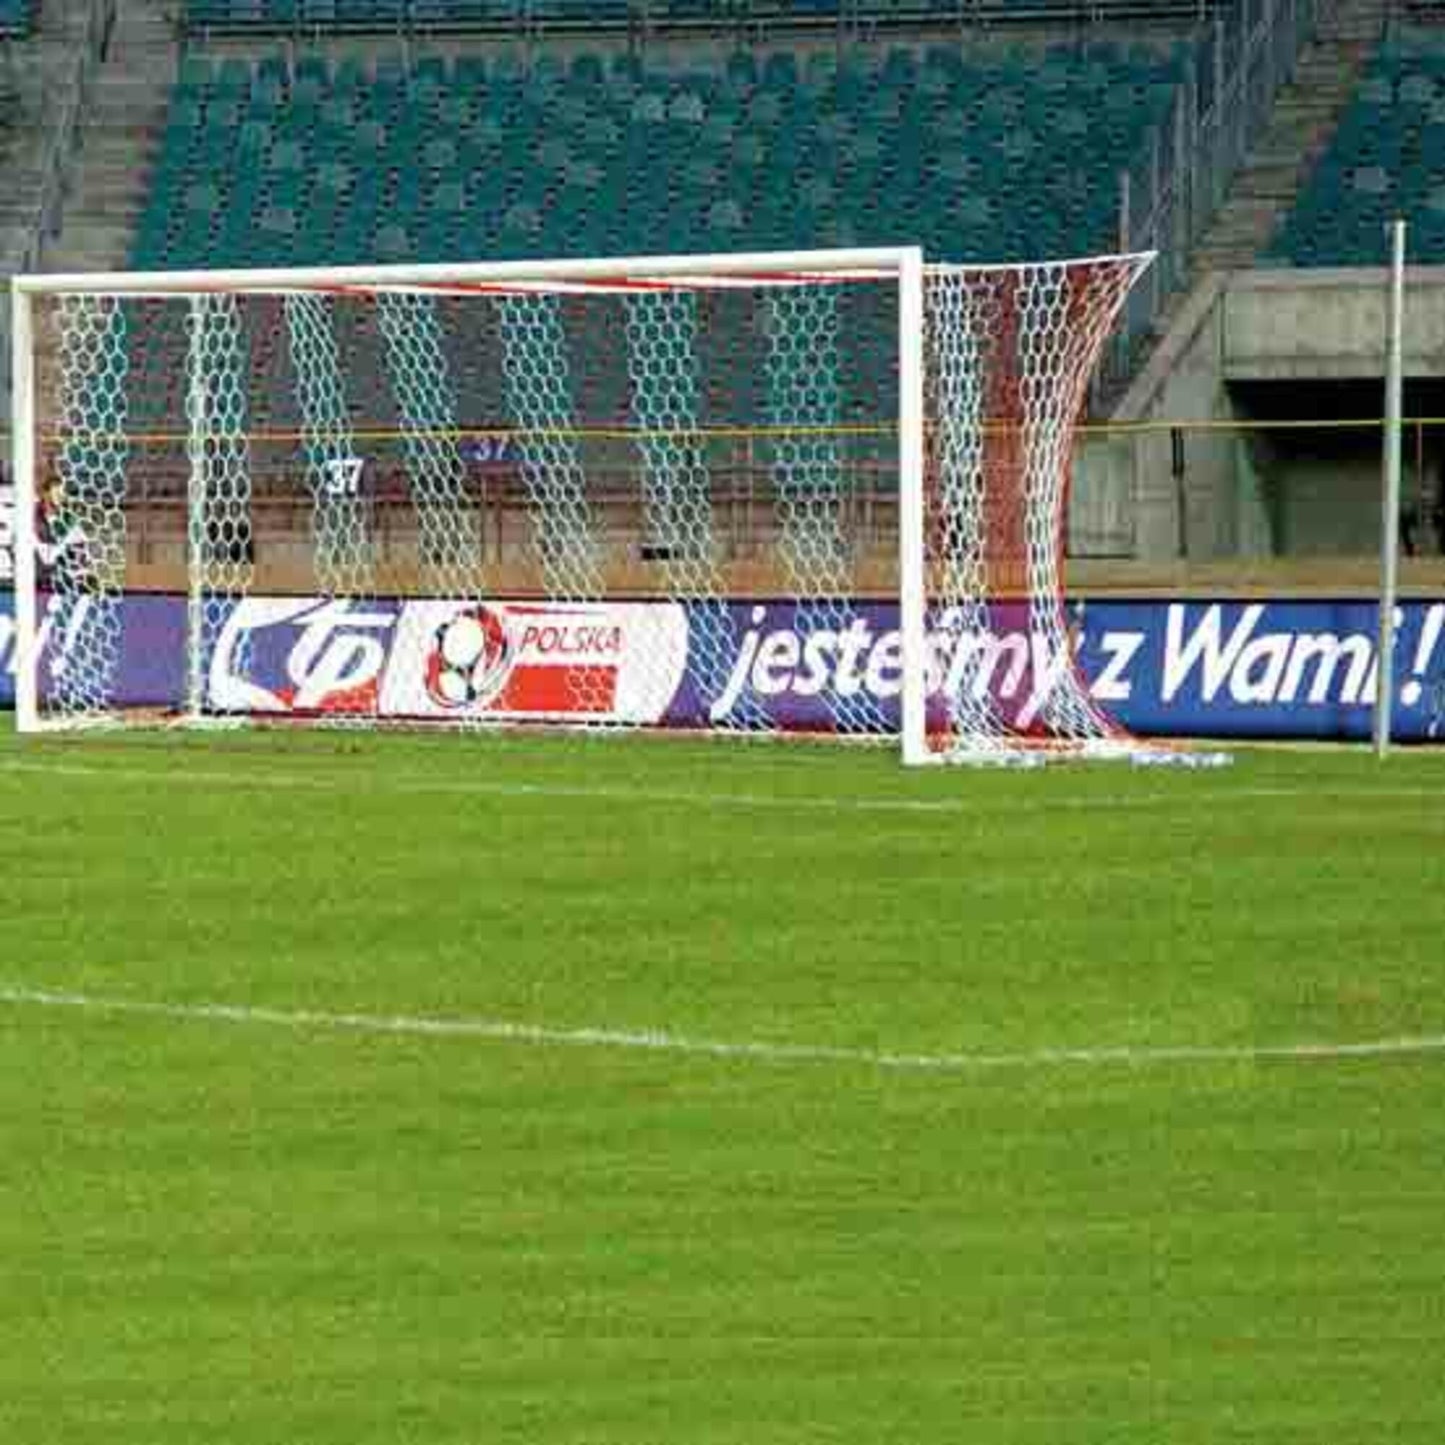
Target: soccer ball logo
470 658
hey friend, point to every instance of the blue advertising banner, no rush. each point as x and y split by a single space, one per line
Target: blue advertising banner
1264 669
7 650
1285 669
7 532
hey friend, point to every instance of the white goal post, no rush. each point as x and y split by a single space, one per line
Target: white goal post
754 493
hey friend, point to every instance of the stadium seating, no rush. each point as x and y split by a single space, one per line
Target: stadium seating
333 161
1386 159
265 163
17 17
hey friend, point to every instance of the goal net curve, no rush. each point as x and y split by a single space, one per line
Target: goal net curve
751 494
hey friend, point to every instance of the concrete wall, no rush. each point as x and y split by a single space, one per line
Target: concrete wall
1327 325
1195 512
1256 347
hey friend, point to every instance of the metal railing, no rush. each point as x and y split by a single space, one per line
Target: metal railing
1178 181
312 19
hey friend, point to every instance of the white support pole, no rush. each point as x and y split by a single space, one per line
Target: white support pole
196 487
910 509
1390 514
22 403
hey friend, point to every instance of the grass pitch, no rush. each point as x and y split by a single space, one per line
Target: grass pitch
782 1146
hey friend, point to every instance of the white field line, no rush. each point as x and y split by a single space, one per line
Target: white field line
172 771
661 1041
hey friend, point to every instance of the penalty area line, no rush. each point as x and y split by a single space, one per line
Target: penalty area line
753 1051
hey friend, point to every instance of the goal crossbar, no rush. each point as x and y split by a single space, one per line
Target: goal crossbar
765 267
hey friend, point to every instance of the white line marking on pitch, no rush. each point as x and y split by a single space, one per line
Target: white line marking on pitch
967 803
661 1041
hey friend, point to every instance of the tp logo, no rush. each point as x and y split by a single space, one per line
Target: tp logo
290 655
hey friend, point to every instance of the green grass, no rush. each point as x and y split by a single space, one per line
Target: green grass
219 1232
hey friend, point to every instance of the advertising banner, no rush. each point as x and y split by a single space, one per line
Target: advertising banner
1295 669
1282 669
504 661
7 650
7 534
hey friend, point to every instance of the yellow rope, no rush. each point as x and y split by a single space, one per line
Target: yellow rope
291 436
287 436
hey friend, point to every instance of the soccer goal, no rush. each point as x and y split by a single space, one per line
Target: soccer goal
748 494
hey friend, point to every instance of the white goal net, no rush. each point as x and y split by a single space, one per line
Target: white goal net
751 494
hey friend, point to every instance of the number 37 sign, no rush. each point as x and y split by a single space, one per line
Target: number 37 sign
342 476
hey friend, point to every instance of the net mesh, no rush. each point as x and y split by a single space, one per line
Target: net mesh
343 548
83 523
1009 355
218 449
448 528
815 541
678 529
625 502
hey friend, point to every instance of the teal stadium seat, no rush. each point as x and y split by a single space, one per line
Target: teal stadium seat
1386 159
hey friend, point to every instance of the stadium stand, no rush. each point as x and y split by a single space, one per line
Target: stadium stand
1386 160
330 158
265 162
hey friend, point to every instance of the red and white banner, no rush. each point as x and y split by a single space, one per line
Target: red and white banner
542 661
509 661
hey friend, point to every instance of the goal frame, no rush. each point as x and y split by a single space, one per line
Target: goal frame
904 269
905 264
